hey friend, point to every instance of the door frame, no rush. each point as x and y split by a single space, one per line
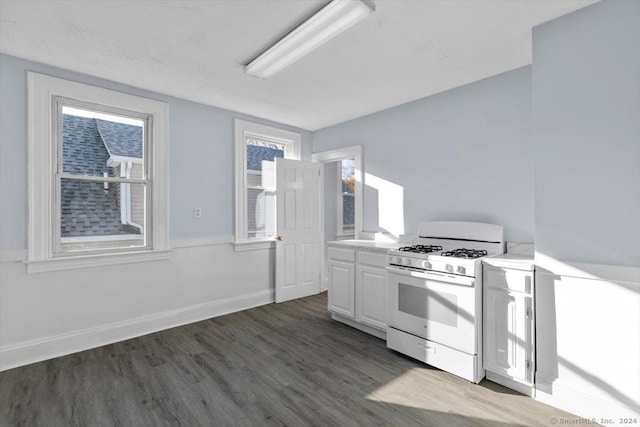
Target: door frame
335 155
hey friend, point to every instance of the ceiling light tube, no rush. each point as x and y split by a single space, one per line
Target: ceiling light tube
327 23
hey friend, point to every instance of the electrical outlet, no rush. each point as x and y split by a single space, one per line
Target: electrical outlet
197 212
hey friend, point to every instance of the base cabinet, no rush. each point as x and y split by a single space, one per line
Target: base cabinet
357 288
341 293
371 296
508 327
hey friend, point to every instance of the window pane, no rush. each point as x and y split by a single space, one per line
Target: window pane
97 144
348 199
261 211
259 151
260 179
97 215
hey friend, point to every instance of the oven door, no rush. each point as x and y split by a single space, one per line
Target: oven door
438 307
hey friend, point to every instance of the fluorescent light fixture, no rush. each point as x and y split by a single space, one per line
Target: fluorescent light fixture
327 23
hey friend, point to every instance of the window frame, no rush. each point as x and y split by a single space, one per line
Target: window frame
243 129
44 135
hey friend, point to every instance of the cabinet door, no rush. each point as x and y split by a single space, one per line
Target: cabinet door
371 296
342 288
507 333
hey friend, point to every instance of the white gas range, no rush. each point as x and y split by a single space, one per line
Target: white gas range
434 310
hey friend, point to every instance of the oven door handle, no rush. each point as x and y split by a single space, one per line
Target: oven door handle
436 277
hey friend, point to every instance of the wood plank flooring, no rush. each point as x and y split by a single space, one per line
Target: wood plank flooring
280 364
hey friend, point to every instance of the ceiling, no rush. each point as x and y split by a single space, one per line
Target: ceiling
195 50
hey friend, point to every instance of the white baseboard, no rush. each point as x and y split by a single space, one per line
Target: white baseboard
525 389
583 404
27 352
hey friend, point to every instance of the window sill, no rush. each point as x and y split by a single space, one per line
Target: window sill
252 245
85 261
345 236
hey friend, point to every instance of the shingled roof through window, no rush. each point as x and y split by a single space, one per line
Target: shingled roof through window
120 139
88 209
256 154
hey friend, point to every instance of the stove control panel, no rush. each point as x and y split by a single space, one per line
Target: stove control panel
458 266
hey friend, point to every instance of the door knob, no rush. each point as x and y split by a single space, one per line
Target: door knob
280 238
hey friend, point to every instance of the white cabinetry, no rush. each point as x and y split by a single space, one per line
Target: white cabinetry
342 281
508 318
357 287
371 290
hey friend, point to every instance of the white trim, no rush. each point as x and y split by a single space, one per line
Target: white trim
354 153
254 245
124 159
513 384
20 255
83 239
292 142
98 178
42 92
613 273
93 260
26 352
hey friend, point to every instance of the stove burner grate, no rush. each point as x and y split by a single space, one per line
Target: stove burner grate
421 249
465 253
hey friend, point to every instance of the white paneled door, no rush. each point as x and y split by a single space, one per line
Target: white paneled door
299 244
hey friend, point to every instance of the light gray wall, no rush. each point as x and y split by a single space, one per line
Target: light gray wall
49 314
586 124
200 159
464 154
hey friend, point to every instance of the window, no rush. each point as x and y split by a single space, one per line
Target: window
257 147
346 197
97 176
101 180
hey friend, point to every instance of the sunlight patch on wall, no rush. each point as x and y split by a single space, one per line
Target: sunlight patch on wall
390 204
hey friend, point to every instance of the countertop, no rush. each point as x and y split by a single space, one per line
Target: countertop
518 261
370 245
507 260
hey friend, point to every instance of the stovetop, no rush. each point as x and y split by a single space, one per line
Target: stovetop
421 249
437 258
465 253
449 247
437 250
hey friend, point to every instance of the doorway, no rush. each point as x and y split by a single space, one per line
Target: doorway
342 195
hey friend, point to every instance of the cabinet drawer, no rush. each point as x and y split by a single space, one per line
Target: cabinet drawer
375 259
440 356
340 254
507 278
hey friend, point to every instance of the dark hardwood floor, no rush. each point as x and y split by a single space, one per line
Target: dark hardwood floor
280 364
